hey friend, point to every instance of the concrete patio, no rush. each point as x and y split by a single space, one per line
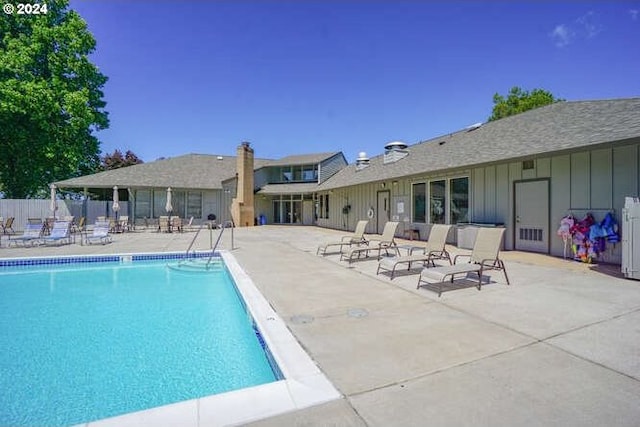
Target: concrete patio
560 346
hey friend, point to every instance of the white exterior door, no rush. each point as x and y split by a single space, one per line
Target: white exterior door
307 212
532 216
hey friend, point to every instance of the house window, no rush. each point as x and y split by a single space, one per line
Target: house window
437 203
194 204
297 173
459 200
326 206
143 204
287 175
419 202
309 173
178 203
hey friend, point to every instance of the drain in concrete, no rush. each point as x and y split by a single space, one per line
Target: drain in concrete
301 319
357 312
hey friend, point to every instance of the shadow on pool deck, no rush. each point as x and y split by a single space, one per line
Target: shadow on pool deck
558 347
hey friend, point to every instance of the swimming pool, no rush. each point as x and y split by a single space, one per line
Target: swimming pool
198 305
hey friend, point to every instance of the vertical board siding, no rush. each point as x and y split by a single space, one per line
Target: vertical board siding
543 167
490 194
560 198
625 165
601 179
580 180
477 188
503 211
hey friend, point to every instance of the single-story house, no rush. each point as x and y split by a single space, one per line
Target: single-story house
204 184
525 172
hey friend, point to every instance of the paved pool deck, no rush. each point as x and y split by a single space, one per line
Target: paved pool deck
559 347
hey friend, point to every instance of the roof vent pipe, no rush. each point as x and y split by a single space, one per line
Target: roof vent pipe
395 151
395 145
362 161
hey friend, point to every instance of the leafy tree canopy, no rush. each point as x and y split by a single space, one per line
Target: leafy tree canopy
50 100
519 101
117 160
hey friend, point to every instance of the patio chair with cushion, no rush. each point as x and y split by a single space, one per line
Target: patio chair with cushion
79 226
175 223
434 249
163 223
100 233
357 238
60 234
32 234
484 256
123 224
7 226
376 243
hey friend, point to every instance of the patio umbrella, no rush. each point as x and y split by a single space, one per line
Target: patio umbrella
54 204
116 202
168 207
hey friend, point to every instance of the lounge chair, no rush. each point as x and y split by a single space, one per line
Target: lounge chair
60 233
433 250
163 224
484 256
357 238
175 224
100 233
123 224
376 243
79 227
32 234
7 227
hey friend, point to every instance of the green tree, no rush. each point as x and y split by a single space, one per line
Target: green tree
50 100
519 101
117 160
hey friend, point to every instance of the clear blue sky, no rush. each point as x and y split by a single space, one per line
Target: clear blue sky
297 77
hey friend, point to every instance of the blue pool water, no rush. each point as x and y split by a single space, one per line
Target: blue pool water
81 342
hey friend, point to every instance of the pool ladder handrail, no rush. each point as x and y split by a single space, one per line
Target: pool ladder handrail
193 241
213 250
214 247
227 224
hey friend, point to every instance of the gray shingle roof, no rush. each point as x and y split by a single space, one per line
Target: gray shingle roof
302 159
197 171
553 128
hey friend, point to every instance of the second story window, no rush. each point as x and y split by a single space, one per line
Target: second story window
287 175
298 173
309 173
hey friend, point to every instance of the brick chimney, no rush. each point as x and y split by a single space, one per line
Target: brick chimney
242 210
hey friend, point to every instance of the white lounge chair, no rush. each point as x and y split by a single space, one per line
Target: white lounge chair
434 249
60 233
100 233
375 243
484 256
357 238
32 234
